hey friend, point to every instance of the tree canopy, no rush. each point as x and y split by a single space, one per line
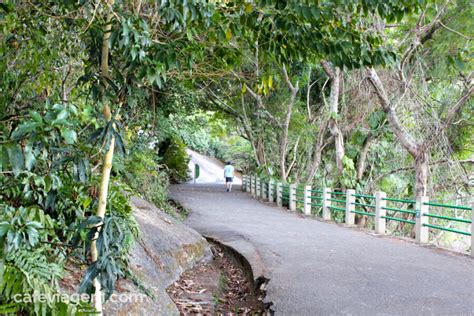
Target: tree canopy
98 100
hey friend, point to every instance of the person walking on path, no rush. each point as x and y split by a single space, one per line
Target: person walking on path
229 176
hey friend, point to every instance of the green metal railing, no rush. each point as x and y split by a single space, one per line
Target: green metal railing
364 196
356 211
448 229
448 218
336 208
397 209
398 219
399 200
459 207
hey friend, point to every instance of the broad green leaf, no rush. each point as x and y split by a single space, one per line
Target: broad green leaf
62 115
24 129
69 135
29 157
16 158
36 116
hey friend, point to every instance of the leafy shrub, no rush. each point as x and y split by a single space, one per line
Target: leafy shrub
146 176
47 197
176 159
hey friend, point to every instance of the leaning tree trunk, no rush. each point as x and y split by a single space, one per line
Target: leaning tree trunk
286 124
334 75
421 174
107 167
317 153
362 159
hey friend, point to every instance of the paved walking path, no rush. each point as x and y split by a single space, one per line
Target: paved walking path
319 268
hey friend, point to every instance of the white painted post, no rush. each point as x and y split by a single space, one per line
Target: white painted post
262 189
244 179
279 194
350 207
271 186
258 188
254 185
307 200
249 183
326 203
472 230
421 232
292 203
380 211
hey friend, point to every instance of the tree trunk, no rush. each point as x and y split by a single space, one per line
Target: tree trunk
362 159
317 153
286 124
335 75
422 161
107 167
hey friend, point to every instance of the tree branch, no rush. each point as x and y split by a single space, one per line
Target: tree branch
407 141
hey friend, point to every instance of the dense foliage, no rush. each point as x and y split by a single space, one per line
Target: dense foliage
351 94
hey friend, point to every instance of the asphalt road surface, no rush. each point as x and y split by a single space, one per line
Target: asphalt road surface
318 268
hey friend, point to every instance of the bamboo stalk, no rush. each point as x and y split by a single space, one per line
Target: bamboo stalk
107 167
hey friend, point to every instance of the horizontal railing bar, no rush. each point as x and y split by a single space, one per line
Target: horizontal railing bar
362 204
300 195
399 210
461 220
364 196
447 229
337 208
399 219
285 198
316 197
336 200
459 207
399 200
338 193
362 213
315 204
301 201
299 190
317 191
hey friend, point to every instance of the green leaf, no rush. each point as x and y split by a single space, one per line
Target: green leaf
16 159
36 116
228 34
62 115
29 157
24 129
69 136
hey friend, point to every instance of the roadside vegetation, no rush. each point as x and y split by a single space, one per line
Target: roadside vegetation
99 100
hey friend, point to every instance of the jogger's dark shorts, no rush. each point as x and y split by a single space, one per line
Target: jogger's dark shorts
228 179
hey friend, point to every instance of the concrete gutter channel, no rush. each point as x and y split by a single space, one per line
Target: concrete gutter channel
246 257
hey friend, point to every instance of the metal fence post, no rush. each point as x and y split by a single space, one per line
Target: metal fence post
307 200
279 194
247 185
271 185
350 207
421 231
326 203
244 182
380 212
292 203
257 187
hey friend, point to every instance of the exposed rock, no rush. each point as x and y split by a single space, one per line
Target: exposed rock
166 249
